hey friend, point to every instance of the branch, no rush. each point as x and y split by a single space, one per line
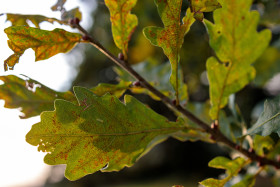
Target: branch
216 134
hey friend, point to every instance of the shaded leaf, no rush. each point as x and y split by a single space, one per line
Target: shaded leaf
269 120
59 5
123 22
45 43
29 95
171 37
21 20
247 181
267 65
200 6
275 152
232 168
73 13
158 76
237 45
263 144
100 131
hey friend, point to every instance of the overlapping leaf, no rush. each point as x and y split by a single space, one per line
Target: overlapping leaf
263 144
30 96
73 13
114 89
100 131
21 20
123 22
158 76
200 6
237 45
232 168
171 37
269 120
45 43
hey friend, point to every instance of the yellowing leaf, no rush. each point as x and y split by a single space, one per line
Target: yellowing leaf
114 89
21 20
171 37
232 168
99 132
237 45
123 22
45 43
29 95
200 6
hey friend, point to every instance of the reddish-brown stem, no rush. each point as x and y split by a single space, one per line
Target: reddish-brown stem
214 132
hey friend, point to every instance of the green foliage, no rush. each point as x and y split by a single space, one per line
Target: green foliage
123 23
232 168
99 131
235 49
198 7
268 121
158 76
171 37
102 129
29 95
45 43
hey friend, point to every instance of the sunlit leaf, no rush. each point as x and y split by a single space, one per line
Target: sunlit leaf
200 6
114 89
269 120
237 45
263 144
45 43
247 181
232 168
59 5
99 132
158 76
29 95
22 20
171 37
73 13
123 22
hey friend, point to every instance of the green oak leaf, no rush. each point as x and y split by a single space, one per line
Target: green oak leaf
232 168
45 43
29 95
269 120
237 45
263 144
123 22
21 20
171 37
99 132
200 6
158 76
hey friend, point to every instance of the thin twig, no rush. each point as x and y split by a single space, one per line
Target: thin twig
215 133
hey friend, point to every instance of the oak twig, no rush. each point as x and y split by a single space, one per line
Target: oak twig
215 133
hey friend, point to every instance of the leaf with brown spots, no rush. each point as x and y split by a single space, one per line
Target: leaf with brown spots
98 132
123 22
171 37
45 43
200 6
29 95
21 20
237 44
